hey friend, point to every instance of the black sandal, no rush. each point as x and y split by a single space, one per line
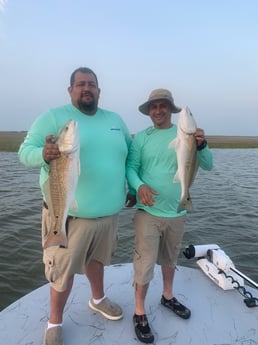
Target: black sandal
178 308
142 329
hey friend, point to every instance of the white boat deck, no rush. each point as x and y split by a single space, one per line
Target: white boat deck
218 317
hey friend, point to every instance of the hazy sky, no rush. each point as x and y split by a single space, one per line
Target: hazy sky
204 51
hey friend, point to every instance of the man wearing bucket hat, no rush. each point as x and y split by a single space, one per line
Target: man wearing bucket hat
159 227
162 95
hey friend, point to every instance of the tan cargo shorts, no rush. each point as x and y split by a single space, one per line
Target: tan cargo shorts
157 241
88 239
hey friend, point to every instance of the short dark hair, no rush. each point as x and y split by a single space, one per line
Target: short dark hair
82 70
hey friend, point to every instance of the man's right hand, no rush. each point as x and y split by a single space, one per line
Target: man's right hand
146 195
51 150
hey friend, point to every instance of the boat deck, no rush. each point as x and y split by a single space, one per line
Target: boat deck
218 317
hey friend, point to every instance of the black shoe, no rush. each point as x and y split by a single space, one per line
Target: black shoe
176 307
142 329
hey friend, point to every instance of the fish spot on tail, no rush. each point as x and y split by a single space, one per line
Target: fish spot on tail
185 205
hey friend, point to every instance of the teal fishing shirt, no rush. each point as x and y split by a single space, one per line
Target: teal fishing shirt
104 142
151 162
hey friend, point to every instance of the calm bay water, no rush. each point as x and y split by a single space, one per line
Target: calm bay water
225 212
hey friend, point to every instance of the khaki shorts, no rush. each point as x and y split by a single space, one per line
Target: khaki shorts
88 239
157 241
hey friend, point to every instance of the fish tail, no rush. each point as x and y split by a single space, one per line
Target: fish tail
56 239
185 204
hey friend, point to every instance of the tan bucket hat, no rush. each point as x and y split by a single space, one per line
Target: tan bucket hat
156 95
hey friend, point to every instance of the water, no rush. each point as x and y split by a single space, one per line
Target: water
225 213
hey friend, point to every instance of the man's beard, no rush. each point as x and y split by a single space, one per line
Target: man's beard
87 106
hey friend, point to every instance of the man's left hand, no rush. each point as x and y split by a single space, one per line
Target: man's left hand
199 136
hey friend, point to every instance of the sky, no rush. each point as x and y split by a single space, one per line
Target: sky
204 51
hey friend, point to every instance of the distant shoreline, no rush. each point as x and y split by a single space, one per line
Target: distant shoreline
224 141
11 140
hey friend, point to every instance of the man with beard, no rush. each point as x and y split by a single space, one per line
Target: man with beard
100 195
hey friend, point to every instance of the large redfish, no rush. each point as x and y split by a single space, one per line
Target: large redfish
185 146
60 187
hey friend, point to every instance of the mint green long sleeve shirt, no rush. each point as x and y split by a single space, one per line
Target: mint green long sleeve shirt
104 142
151 162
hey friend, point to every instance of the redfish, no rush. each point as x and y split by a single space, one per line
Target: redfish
59 189
185 146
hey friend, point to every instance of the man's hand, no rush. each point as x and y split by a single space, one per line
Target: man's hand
50 150
146 195
200 138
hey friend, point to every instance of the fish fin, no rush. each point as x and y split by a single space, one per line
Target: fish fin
46 192
173 144
185 205
74 206
176 178
79 167
55 239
